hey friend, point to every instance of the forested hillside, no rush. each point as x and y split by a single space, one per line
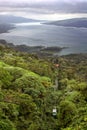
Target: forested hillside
74 22
28 97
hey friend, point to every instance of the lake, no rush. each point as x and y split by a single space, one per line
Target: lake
34 34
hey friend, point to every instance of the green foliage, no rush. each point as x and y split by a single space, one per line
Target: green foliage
16 72
67 112
27 96
1 96
27 80
5 78
46 81
26 105
6 125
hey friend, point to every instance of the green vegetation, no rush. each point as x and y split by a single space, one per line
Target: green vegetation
27 96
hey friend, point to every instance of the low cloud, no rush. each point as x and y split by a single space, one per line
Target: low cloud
44 7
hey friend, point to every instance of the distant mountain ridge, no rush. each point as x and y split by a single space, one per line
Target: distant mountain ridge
75 22
15 19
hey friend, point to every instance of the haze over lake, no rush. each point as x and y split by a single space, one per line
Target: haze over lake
34 34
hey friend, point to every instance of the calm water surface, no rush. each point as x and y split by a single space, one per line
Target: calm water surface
34 34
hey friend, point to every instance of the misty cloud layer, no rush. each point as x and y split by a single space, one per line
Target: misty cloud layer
44 6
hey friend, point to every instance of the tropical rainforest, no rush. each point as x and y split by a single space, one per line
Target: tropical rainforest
28 97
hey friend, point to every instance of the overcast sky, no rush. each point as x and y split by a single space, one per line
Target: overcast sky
45 9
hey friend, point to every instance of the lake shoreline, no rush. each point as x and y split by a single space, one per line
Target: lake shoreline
38 50
47 40
5 28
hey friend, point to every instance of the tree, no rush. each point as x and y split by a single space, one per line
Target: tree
5 78
6 125
67 112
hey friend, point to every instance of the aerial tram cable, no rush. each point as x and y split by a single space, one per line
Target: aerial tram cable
54 111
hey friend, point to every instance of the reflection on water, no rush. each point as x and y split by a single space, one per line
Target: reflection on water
34 34
28 24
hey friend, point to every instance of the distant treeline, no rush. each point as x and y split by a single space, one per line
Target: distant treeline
41 51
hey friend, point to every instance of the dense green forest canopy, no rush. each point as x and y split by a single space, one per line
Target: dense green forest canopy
27 96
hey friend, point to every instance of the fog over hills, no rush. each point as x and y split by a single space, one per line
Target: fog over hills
7 22
15 19
75 22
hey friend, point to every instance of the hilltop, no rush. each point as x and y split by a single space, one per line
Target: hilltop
7 22
15 19
75 22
